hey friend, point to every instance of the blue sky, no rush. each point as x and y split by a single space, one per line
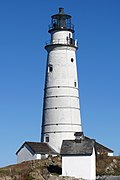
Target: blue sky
23 33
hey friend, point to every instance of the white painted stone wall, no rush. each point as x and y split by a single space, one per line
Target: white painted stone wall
61 112
25 155
61 37
79 166
110 154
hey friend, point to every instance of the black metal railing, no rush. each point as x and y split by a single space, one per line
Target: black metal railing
59 27
71 42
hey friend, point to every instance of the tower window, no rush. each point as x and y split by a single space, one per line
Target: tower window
50 68
75 84
46 138
72 59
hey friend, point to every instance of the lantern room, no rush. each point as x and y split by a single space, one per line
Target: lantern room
61 21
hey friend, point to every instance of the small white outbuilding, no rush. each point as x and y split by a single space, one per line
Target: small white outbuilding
78 157
34 150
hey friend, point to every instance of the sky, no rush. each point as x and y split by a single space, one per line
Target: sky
23 34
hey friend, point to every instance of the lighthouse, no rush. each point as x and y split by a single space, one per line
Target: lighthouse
61 107
61 132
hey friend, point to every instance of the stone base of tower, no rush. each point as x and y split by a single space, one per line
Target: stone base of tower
56 139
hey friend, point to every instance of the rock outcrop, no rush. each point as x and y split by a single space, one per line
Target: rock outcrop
108 168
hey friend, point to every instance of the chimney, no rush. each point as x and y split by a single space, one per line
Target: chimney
79 136
61 10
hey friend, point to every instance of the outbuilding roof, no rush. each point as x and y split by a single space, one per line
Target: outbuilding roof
73 147
100 148
38 148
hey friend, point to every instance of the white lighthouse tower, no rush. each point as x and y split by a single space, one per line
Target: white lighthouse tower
61 109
